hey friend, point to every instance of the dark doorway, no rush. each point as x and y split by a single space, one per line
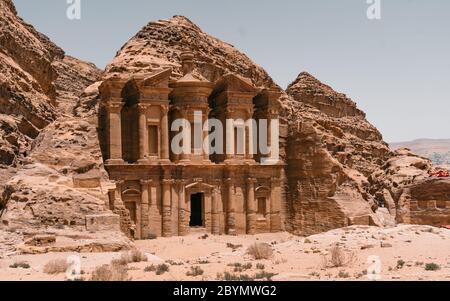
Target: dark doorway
196 210
131 206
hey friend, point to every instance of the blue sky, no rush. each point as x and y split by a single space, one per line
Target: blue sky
397 69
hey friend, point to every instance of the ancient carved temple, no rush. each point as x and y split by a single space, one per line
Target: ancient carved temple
161 193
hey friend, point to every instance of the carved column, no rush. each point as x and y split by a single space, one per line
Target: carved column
185 155
215 213
250 146
230 142
154 213
251 206
145 231
205 124
182 212
115 132
275 205
143 134
166 215
231 218
165 147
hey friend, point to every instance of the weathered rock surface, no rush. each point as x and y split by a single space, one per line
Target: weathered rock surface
51 168
159 45
331 151
339 170
36 81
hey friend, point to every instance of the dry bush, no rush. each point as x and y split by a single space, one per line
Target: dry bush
195 271
110 272
57 266
131 257
21 264
339 258
260 251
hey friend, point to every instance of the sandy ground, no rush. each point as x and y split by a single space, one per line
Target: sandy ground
400 253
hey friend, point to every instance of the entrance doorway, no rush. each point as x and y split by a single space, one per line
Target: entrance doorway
131 206
197 211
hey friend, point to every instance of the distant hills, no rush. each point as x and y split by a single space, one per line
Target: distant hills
437 150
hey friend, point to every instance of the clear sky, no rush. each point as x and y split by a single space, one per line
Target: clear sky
397 69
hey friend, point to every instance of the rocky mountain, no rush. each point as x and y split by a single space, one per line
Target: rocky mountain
437 150
329 147
50 164
339 170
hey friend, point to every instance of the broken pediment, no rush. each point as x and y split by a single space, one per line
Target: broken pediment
234 83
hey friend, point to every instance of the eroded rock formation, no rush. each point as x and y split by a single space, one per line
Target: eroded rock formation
339 170
51 172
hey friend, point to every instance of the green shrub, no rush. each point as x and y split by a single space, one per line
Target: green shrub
432 267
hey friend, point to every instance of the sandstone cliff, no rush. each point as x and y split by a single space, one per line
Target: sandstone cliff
328 145
339 170
51 169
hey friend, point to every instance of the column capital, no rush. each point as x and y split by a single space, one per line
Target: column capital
146 182
143 107
168 181
252 180
114 107
164 108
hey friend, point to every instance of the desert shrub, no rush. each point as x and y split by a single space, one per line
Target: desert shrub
260 266
172 262
264 276
133 256
432 267
111 272
150 268
400 264
161 269
20 264
260 251
227 276
338 258
239 267
343 274
137 256
56 266
195 271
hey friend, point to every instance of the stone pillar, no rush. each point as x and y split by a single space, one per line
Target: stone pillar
165 147
154 213
166 214
230 140
215 213
231 210
275 206
185 155
251 207
205 136
143 134
145 231
250 145
115 133
182 212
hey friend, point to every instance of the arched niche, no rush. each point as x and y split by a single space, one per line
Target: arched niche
262 195
131 199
